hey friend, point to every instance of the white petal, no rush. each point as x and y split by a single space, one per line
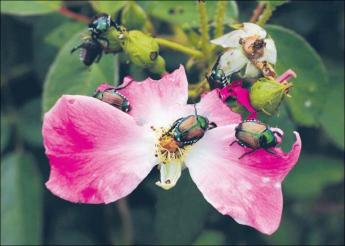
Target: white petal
251 71
270 52
231 39
232 61
252 29
170 173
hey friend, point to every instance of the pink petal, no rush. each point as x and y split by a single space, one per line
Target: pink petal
104 86
97 153
157 101
212 107
236 91
247 189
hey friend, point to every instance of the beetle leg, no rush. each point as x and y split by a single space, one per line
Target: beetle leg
76 48
99 56
212 125
247 153
235 141
271 152
278 133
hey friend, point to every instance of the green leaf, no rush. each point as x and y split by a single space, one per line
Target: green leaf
210 237
109 7
58 36
29 7
5 132
68 75
332 117
68 229
311 174
29 123
21 200
309 89
186 12
180 212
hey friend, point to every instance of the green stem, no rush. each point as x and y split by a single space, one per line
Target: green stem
203 27
265 16
220 14
179 47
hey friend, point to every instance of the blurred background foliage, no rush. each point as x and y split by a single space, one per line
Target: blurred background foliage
36 66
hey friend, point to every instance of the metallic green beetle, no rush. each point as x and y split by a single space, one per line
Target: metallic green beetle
255 135
217 76
190 129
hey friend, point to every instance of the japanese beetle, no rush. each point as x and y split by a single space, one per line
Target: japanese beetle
100 24
255 135
217 76
91 51
190 129
112 96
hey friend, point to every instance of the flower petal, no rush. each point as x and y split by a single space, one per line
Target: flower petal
270 52
248 189
212 107
230 40
232 61
97 153
169 174
158 101
251 71
252 29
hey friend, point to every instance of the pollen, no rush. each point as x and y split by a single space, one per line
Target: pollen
168 149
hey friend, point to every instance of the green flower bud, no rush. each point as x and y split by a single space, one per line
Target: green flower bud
112 36
143 51
133 16
266 95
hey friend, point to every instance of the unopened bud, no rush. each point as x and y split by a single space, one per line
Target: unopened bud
143 51
266 95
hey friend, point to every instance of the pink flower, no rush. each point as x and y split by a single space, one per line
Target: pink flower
99 154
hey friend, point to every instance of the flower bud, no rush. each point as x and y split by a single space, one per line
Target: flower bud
143 51
133 16
266 95
111 40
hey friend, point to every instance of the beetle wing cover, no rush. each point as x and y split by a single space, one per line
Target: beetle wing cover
188 123
113 99
254 127
248 139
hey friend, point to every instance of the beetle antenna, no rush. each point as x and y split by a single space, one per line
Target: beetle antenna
196 113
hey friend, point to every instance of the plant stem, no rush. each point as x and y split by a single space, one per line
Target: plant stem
66 12
125 215
203 27
220 14
179 47
257 12
265 16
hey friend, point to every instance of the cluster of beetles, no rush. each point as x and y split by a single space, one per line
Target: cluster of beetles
252 134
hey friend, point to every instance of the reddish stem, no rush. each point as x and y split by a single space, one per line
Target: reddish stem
286 76
66 12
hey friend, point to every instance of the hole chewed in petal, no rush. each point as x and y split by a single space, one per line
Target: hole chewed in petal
247 189
212 107
158 102
97 153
